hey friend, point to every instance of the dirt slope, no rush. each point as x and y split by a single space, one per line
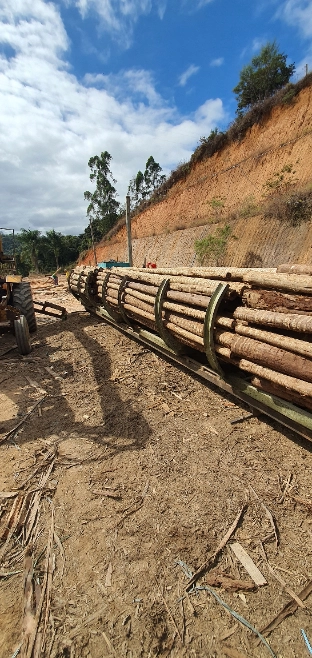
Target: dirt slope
148 468
236 175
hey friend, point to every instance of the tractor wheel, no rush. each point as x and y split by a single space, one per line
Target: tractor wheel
23 301
22 335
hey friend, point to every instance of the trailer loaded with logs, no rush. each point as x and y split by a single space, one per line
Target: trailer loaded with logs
248 331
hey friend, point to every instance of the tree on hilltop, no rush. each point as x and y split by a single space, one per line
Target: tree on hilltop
266 74
142 186
103 206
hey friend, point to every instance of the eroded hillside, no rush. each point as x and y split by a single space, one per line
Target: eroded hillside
229 188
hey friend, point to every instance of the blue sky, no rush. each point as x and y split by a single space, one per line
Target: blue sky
133 77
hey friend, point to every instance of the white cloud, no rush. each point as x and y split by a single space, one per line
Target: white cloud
298 13
118 17
51 123
218 61
257 44
184 77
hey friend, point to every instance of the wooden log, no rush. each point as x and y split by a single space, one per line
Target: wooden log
206 287
286 381
285 342
112 301
112 285
266 355
291 322
187 298
277 301
304 389
289 282
294 269
137 311
111 292
149 299
224 353
281 392
144 323
225 321
219 273
186 337
184 310
137 303
198 284
193 327
141 287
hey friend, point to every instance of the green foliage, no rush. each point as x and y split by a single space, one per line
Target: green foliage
292 207
45 253
103 207
211 250
249 207
211 137
143 186
31 244
281 180
266 74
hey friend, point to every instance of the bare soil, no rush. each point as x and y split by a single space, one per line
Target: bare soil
147 469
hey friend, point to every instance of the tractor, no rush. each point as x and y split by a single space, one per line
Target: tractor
16 303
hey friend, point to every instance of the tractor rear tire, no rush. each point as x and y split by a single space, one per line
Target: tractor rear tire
23 301
21 331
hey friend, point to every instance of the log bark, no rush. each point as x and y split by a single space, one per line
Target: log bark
149 290
112 301
289 282
204 285
184 310
277 301
281 392
285 342
294 269
286 382
191 299
220 273
149 299
266 355
142 314
111 292
137 303
186 337
193 327
291 322
226 322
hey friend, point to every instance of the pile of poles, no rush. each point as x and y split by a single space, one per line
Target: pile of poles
263 326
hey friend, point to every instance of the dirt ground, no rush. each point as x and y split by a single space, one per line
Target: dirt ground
127 473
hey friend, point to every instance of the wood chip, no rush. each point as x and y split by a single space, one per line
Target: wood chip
233 653
109 644
8 494
108 579
287 610
212 558
248 564
303 501
228 633
268 514
227 582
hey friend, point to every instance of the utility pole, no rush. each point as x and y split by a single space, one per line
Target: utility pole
92 240
128 224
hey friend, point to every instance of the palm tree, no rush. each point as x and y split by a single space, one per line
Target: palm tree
53 241
30 242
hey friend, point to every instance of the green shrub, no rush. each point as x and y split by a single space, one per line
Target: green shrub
211 250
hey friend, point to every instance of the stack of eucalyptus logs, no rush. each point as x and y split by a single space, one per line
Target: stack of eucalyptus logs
263 326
